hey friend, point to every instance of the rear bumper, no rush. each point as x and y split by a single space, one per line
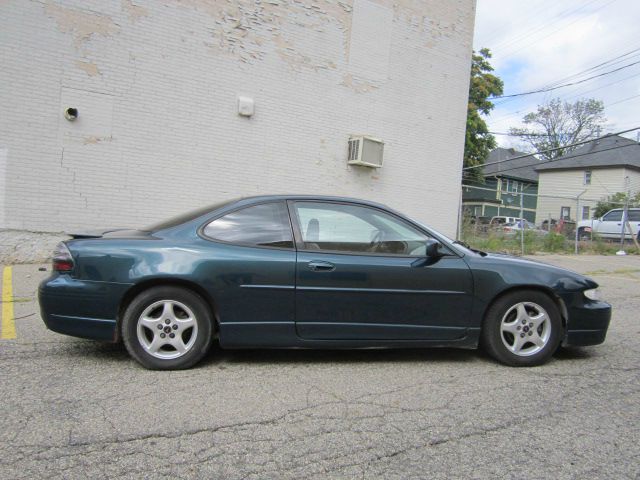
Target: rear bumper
83 327
588 322
85 309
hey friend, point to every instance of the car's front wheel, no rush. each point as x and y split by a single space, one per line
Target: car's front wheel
583 234
522 329
167 328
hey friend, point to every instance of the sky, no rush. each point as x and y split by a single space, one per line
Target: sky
541 43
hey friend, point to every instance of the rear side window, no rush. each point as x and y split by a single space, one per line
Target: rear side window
634 215
265 225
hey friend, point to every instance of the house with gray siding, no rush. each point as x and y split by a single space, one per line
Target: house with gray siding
571 186
508 175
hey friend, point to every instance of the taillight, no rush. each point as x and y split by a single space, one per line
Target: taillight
62 259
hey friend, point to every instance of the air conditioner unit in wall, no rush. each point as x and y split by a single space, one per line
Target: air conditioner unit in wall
365 151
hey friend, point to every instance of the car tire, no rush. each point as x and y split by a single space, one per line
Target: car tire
167 328
522 329
583 234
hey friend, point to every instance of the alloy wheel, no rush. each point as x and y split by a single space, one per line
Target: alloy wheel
525 329
167 329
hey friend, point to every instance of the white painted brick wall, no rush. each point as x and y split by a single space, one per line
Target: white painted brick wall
156 83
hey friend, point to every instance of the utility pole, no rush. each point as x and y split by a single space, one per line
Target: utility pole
522 219
460 215
625 213
577 215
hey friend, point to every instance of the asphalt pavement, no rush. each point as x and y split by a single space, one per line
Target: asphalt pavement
74 408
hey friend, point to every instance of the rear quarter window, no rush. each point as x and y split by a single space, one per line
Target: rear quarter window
264 225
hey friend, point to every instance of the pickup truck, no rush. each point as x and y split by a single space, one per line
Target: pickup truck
610 225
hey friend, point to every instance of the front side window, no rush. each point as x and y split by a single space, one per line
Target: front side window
613 216
356 229
634 215
265 225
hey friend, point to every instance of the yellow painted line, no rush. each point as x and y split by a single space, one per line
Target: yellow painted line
8 325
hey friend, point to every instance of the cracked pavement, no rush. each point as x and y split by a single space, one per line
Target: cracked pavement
73 408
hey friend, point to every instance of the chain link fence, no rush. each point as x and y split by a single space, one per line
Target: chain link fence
522 222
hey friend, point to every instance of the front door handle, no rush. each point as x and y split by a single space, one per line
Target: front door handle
320 266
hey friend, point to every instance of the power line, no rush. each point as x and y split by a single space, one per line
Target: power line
562 27
527 19
505 116
565 96
623 100
535 30
543 162
552 150
542 90
609 62
518 135
580 94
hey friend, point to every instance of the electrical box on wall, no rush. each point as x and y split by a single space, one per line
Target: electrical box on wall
246 106
365 151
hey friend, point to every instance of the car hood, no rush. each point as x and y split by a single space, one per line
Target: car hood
521 271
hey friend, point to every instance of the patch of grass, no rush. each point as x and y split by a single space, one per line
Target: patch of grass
554 242
497 241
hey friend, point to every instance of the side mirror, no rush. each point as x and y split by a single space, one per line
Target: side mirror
432 254
433 248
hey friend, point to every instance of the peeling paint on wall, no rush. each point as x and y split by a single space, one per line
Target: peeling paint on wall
358 85
89 68
135 12
81 24
93 140
244 27
155 83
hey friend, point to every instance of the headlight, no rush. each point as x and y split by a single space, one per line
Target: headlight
593 294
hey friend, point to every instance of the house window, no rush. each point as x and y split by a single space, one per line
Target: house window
565 213
587 177
585 213
509 185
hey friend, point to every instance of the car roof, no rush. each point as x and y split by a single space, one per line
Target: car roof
321 198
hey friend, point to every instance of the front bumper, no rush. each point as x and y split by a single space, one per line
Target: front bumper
587 323
86 309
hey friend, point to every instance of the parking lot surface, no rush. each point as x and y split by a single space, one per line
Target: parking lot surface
73 408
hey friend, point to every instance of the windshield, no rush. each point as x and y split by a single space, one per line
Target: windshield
186 217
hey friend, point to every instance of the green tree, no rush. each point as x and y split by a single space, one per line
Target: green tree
483 84
557 124
617 200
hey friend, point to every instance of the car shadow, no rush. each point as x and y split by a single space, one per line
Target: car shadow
218 356
116 352
574 353
96 350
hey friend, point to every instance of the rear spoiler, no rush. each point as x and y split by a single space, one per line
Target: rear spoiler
112 232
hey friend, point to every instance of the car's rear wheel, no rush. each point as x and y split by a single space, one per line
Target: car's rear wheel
522 328
167 328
